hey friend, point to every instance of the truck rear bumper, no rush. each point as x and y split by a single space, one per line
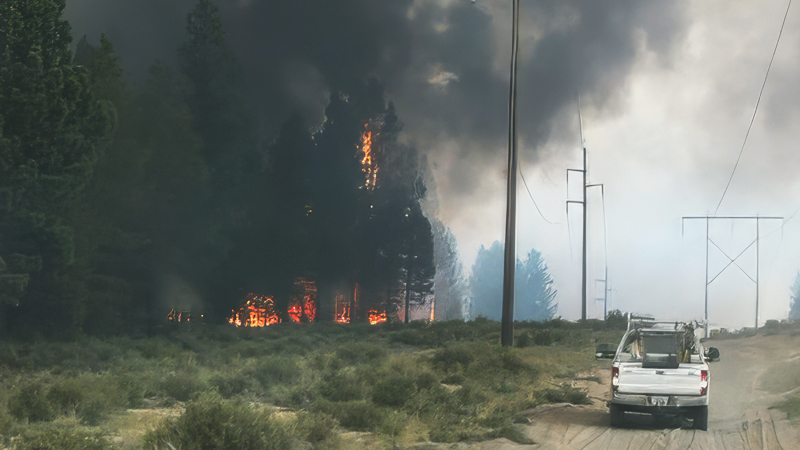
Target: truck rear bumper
655 403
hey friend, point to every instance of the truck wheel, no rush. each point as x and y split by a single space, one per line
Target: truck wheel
617 415
701 418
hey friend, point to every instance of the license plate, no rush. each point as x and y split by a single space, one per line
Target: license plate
658 401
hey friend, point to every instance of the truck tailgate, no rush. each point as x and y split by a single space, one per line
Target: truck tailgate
633 379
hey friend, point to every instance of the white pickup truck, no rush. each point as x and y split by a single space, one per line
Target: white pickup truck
660 368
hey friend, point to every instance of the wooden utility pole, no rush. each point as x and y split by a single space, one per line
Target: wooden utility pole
510 260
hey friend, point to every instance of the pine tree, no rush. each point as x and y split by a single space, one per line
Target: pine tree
53 130
450 291
794 310
534 297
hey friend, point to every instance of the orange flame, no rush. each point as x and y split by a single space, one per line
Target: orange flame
295 312
370 166
303 306
342 312
310 308
258 311
179 316
376 317
344 315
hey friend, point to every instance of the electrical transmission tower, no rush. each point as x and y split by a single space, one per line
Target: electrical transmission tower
583 202
731 261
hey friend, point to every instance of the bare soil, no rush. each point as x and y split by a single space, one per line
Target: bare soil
752 375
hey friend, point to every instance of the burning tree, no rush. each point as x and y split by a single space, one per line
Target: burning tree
341 204
375 316
389 252
257 311
342 309
369 162
183 316
303 306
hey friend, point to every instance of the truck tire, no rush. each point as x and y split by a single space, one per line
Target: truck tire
617 414
701 418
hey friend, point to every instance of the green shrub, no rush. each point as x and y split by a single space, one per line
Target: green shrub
8 356
360 352
566 394
453 358
358 415
302 396
427 380
89 397
511 432
272 370
316 427
6 423
393 423
524 340
547 337
393 390
71 438
510 361
30 404
342 386
409 337
232 384
445 407
440 333
157 348
181 386
216 424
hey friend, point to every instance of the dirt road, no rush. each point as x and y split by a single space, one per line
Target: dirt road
753 374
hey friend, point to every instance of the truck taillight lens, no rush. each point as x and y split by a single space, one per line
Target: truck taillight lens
703 382
614 378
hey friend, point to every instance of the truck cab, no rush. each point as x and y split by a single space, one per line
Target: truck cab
661 368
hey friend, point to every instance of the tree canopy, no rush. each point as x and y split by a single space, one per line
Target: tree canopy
120 201
534 298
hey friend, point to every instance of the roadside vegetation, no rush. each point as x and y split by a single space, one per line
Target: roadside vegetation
326 385
791 406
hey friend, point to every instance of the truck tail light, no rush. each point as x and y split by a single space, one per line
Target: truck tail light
614 378
703 382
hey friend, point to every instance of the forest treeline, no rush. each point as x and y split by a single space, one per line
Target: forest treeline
118 203
121 200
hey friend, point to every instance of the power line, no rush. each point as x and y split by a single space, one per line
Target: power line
781 229
755 111
782 225
533 200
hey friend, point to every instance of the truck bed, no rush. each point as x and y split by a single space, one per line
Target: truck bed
685 380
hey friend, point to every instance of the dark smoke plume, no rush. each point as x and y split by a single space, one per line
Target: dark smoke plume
443 62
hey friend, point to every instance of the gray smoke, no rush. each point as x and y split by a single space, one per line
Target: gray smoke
443 61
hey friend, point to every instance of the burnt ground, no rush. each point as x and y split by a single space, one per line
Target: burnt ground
752 375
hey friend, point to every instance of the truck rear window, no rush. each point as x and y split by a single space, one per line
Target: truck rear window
659 351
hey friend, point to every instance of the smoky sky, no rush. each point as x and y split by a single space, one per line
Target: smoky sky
444 62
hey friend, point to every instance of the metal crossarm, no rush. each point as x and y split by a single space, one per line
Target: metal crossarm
732 261
708 219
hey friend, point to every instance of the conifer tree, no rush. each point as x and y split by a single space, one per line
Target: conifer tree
53 130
